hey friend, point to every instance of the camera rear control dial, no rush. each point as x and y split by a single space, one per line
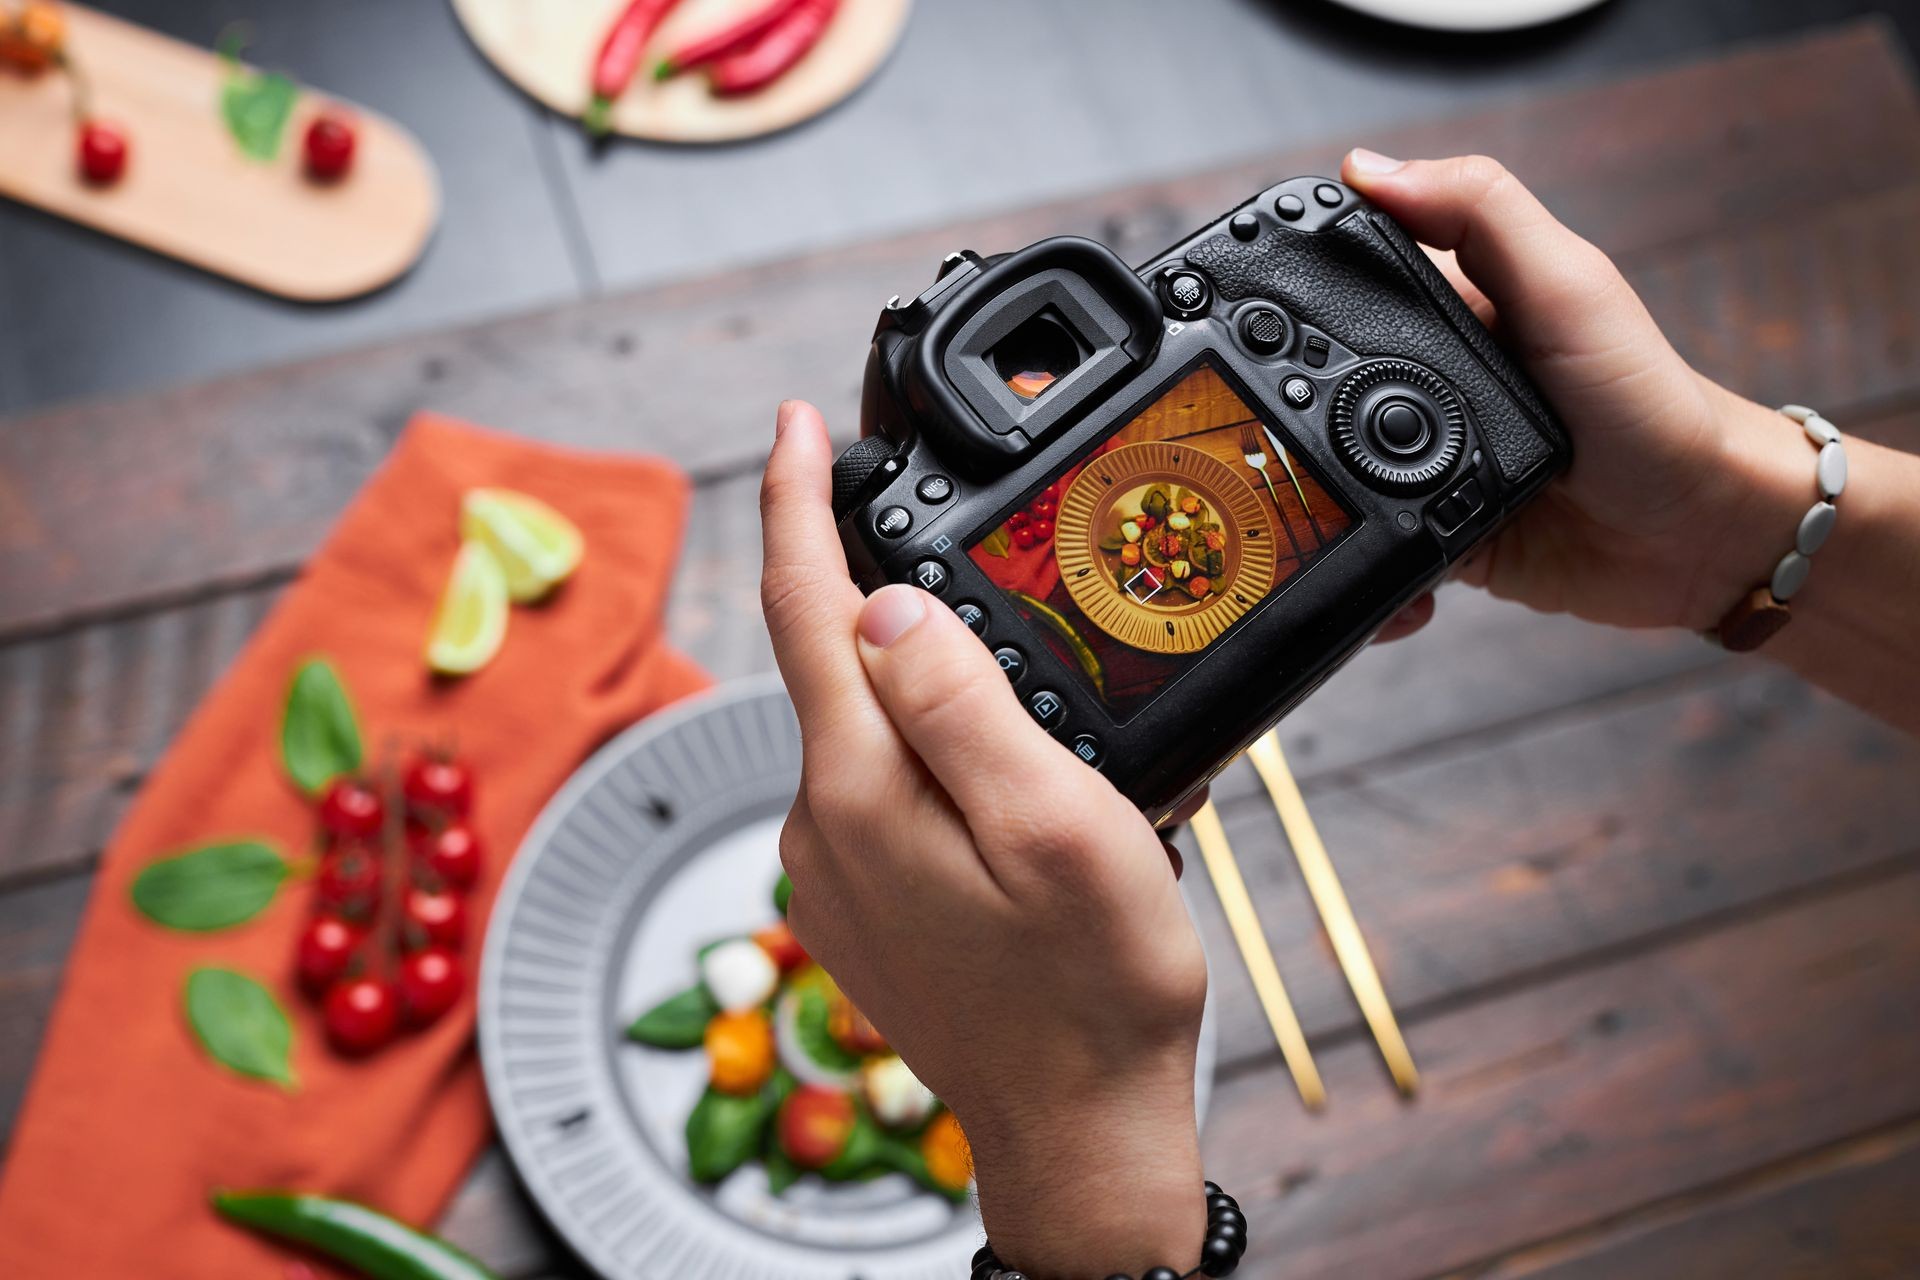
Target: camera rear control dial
1398 425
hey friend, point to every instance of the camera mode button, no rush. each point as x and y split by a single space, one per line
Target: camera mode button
893 522
1048 707
1329 195
931 576
1290 207
973 615
1244 226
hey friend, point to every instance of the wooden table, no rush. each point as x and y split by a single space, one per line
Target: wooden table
1647 912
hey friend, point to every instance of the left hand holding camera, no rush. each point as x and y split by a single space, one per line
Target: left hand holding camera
943 843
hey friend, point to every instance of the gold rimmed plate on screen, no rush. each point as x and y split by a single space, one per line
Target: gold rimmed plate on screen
1145 605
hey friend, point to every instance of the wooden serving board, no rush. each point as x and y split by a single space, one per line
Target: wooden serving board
191 194
547 49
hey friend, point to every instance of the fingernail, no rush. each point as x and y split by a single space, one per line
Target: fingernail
890 613
782 416
1365 161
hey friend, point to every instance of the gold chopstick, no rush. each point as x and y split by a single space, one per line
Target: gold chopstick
1335 913
1234 900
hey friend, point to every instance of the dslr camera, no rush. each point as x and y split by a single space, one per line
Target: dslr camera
1172 501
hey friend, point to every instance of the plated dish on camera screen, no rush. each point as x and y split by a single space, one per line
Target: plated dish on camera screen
1138 556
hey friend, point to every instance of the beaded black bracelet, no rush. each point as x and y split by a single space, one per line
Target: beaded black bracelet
1219 1254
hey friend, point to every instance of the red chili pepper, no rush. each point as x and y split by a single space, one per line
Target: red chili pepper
759 65
619 57
734 37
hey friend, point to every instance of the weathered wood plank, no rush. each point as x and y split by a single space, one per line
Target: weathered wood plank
106 504
1576 1099
1846 1210
37 926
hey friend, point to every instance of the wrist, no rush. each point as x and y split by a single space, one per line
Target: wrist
1767 483
1098 1177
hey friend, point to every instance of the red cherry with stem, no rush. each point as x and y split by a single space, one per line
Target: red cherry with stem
430 984
324 952
103 153
329 147
438 785
361 1014
351 810
435 918
1044 509
349 882
451 853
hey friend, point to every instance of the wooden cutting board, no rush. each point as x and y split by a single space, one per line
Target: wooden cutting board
547 49
190 193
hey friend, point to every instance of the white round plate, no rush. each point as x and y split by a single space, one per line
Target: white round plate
1470 15
667 839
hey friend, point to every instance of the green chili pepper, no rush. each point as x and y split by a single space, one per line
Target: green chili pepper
1088 659
369 1242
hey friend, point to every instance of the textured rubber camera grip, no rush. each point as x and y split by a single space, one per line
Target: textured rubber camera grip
1363 281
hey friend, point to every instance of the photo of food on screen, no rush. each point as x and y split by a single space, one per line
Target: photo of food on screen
1139 555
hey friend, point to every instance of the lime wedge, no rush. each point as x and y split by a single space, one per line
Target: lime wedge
472 618
536 546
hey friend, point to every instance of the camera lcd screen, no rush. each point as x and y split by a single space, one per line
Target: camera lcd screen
1139 555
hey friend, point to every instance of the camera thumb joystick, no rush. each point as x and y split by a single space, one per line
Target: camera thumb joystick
863 461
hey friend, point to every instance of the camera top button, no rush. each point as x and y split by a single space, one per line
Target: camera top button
1329 195
1290 207
893 522
935 489
1244 226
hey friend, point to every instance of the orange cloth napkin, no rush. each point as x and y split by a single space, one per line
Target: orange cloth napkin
128 1124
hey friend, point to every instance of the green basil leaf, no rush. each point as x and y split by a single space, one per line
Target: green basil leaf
997 542
724 1131
319 738
256 105
816 1040
211 887
782 893
903 1154
240 1024
782 1172
678 1022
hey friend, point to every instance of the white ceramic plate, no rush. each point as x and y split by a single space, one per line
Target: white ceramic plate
1470 15
667 839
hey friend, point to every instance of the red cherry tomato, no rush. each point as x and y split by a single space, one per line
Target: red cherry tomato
1043 529
1019 520
430 984
103 153
349 882
781 946
1044 509
814 1124
324 952
1052 492
351 810
438 785
1145 522
361 1014
1024 537
451 853
435 919
329 147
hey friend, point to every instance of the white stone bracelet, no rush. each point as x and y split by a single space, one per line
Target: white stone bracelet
1761 614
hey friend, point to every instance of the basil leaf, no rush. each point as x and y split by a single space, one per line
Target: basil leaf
319 738
782 893
997 542
861 1154
782 1172
816 1040
240 1024
903 1155
678 1022
256 105
211 887
724 1131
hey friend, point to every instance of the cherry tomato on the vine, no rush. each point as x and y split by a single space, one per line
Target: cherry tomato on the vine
349 881
430 984
438 785
329 147
814 1124
361 1015
102 153
434 918
351 810
452 853
325 951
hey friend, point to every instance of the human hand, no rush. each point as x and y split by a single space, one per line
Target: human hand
1680 494
1007 920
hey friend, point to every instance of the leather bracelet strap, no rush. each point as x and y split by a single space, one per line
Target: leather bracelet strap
1760 615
